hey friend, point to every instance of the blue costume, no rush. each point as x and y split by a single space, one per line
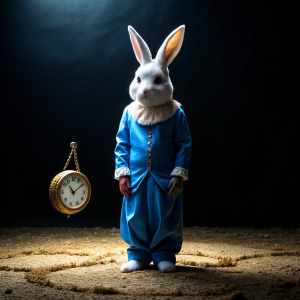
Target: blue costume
151 221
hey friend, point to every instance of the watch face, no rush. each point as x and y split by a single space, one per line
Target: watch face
73 191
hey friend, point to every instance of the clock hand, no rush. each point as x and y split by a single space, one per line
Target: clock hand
71 190
78 188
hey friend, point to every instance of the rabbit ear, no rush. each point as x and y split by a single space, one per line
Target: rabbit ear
141 49
170 47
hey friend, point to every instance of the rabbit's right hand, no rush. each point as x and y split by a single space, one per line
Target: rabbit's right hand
124 184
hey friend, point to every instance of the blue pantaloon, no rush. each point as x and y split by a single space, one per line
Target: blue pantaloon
151 223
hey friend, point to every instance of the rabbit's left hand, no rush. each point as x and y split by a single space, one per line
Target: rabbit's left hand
175 187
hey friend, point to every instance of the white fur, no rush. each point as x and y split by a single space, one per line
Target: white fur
132 265
157 94
166 266
144 89
154 114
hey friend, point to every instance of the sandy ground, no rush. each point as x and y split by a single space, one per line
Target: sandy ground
84 263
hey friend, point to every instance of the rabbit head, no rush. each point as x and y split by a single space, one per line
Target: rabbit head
152 85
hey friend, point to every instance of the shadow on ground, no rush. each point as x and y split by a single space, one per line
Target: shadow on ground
84 263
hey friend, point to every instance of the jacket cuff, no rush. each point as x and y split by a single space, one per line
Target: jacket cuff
122 171
184 173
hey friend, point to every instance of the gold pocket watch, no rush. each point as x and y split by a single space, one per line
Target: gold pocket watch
70 191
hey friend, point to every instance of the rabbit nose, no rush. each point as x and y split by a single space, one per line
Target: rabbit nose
145 93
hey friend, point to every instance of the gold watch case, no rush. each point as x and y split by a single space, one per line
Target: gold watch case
55 187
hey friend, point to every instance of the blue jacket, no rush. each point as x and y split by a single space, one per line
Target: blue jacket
162 149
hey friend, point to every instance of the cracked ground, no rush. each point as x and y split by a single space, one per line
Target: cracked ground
214 263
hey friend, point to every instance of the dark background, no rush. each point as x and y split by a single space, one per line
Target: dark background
65 71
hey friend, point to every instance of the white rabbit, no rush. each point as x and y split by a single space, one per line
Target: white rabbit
154 86
152 157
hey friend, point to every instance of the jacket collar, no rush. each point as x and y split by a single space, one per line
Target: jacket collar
152 115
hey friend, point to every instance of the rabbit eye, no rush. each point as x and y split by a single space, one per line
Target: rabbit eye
138 79
157 80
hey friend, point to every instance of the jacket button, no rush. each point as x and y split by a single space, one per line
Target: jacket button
150 132
149 136
149 154
149 143
149 149
149 161
149 168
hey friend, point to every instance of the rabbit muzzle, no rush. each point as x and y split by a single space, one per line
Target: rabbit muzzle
144 94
